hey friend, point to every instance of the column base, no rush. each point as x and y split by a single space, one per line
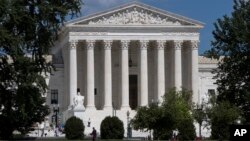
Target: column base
79 108
72 112
125 108
109 108
90 108
142 105
178 88
77 113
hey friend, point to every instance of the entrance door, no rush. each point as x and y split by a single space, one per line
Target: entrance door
133 91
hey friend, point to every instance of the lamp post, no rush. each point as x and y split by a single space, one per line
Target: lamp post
200 122
128 126
56 111
199 115
113 109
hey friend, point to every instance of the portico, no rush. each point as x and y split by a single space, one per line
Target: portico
157 47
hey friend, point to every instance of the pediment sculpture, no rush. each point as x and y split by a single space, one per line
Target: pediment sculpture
134 17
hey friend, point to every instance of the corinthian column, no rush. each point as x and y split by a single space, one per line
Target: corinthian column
160 70
90 75
177 65
143 73
194 66
72 72
107 75
124 75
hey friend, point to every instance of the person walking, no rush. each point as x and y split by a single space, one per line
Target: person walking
93 134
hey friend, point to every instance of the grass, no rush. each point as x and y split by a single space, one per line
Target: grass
62 138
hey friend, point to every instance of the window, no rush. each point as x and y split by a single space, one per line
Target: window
211 92
54 96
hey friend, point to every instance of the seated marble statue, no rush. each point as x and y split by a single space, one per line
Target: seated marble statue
78 101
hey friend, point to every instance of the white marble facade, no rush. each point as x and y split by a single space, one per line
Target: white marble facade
127 57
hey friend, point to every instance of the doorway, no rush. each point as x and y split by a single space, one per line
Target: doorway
133 91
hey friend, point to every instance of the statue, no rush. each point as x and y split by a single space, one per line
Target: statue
78 101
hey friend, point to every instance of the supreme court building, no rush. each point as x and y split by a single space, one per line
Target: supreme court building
123 58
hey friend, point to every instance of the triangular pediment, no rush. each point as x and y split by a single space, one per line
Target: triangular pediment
135 13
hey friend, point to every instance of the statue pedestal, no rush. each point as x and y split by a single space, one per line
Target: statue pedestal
76 112
77 109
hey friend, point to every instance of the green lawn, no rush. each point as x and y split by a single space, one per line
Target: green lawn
60 138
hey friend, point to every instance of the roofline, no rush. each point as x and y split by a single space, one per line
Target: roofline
133 3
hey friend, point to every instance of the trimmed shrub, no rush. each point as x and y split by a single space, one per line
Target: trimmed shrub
74 128
112 128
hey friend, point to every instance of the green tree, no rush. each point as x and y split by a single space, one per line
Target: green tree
74 128
149 118
28 29
177 104
170 115
232 41
186 129
221 116
112 128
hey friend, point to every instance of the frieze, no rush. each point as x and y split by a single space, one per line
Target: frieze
105 33
181 34
134 16
88 33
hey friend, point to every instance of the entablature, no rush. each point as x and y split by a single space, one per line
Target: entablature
133 36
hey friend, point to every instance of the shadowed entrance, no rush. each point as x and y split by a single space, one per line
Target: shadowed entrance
133 91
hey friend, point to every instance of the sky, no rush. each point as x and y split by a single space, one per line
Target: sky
205 11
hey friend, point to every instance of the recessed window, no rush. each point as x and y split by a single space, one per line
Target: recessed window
54 96
211 92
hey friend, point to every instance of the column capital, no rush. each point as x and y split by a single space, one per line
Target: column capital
194 44
108 44
144 44
160 44
178 44
73 44
125 44
90 44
